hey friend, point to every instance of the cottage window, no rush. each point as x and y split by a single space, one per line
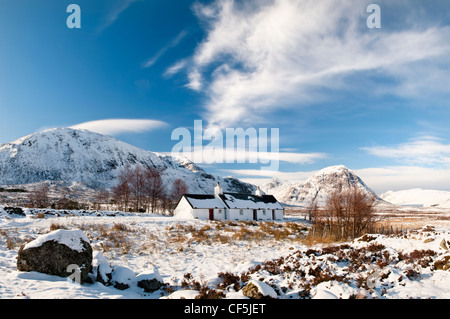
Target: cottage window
220 211
264 211
241 212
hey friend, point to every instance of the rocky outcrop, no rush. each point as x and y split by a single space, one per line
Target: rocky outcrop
61 253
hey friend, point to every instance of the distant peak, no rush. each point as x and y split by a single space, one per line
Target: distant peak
67 130
333 169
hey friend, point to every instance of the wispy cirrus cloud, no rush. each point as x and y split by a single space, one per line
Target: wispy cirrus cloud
258 57
426 150
173 43
175 68
116 9
118 126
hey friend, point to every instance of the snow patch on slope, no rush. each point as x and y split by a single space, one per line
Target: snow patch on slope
418 197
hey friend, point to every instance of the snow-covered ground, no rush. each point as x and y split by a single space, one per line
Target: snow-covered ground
225 256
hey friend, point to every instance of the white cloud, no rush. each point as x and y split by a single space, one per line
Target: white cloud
264 55
425 151
269 174
220 155
175 68
117 8
118 126
175 41
194 81
260 177
405 177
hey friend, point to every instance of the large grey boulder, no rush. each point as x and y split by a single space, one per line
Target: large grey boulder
61 253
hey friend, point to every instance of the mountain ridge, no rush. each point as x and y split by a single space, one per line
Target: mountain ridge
317 187
95 160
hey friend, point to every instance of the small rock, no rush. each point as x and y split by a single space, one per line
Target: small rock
14 211
122 277
443 244
104 270
258 290
149 281
325 294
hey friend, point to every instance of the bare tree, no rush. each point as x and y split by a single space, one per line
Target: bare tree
121 192
312 210
120 195
101 197
39 198
179 188
137 186
140 189
154 189
348 213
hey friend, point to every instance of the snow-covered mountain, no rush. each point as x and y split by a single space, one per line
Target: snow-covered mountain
317 187
95 160
418 197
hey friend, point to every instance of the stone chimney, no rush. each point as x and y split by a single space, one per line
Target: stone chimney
259 192
218 190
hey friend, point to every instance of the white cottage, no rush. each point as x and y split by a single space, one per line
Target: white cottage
229 206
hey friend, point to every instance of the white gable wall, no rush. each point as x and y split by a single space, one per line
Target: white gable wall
183 209
279 214
200 213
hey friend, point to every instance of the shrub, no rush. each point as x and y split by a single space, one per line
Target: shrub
229 279
55 226
209 293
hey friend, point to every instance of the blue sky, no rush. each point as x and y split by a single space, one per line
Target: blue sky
375 100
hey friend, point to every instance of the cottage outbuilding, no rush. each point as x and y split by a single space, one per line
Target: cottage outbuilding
229 206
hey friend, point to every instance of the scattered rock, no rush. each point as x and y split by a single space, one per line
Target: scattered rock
149 281
258 290
14 211
59 253
123 277
325 294
443 244
104 270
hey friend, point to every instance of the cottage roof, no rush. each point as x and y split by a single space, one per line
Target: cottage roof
204 201
233 200
250 201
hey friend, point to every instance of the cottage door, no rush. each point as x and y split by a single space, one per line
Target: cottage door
255 214
273 214
211 214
